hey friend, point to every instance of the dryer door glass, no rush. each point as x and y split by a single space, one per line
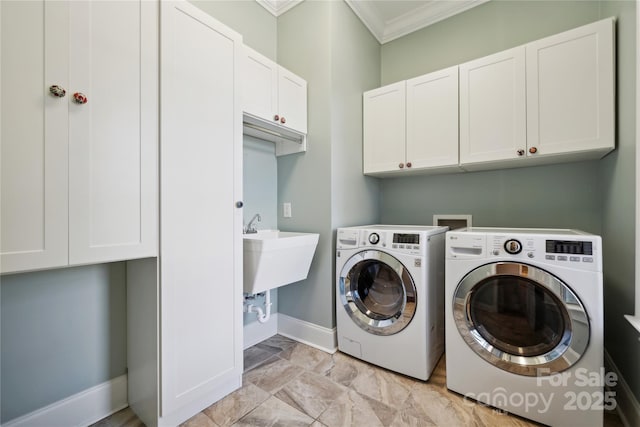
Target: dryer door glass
521 319
378 292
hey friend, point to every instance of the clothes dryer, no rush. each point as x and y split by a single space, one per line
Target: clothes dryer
390 295
524 322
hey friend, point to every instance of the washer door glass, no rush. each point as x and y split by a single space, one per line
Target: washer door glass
377 292
521 319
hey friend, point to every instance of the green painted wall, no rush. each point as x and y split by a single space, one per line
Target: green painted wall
596 196
257 26
617 174
63 331
328 46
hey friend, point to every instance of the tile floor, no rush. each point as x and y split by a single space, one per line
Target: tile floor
287 383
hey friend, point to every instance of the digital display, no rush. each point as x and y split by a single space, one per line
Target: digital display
412 239
569 247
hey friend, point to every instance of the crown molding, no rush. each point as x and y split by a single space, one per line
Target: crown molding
416 19
278 7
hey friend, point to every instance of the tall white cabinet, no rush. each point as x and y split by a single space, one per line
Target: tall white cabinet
79 170
194 308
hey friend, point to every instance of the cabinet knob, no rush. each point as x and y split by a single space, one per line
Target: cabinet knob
276 118
401 165
79 98
239 204
57 91
408 164
283 120
533 150
520 152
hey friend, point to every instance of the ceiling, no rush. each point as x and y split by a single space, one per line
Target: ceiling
390 19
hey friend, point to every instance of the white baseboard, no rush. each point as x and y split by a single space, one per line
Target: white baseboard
322 338
626 403
256 332
81 409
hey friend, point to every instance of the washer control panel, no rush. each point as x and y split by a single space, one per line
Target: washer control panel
574 251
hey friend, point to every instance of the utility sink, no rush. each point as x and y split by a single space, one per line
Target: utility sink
275 258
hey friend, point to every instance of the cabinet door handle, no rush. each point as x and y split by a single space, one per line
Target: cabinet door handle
79 98
533 150
283 120
276 117
401 165
408 164
239 204
57 91
520 152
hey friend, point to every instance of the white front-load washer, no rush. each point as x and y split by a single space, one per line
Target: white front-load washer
390 294
524 323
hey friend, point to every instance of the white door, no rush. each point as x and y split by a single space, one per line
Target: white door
570 90
292 100
113 137
432 119
492 108
201 228
384 129
33 142
259 85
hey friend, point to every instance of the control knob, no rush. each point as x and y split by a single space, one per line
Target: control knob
513 246
374 238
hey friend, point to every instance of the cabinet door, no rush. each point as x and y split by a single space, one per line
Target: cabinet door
384 128
432 119
259 85
570 90
292 100
201 228
33 144
113 137
492 107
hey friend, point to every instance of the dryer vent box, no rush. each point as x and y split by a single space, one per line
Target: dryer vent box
454 222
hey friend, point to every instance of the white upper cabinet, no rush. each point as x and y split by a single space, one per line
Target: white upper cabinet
33 145
549 101
384 128
493 108
272 93
113 138
570 91
412 125
432 120
79 180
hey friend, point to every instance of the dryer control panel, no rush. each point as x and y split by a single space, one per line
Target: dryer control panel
409 243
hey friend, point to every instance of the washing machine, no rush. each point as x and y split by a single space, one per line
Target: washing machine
524 323
390 296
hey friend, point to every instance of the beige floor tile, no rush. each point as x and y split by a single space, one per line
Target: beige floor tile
385 386
355 410
199 420
310 393
304 355
236 405
272 375
274 412
340 391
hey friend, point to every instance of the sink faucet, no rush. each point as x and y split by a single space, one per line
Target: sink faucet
250 227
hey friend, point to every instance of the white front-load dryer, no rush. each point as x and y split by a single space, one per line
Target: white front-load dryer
390 294
524 323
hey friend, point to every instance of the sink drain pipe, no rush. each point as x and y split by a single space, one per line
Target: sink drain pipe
263 315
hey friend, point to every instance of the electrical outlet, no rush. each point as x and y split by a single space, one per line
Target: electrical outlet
286 210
